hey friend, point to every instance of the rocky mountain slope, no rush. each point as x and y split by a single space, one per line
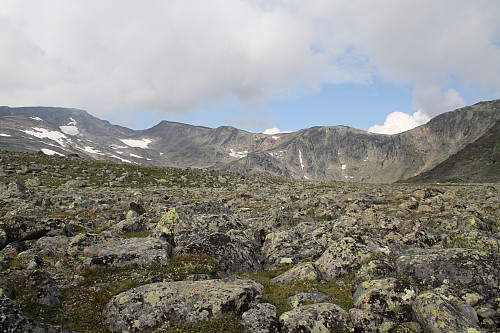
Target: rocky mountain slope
477 162
91 246
336 153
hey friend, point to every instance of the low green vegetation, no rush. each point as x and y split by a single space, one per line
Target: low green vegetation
277 294
84 301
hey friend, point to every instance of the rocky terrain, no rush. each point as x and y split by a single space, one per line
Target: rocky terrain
92 246
326 153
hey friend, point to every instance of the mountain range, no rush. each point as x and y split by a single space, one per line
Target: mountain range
436 151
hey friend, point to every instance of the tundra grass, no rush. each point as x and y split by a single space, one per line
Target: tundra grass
277 294
81 309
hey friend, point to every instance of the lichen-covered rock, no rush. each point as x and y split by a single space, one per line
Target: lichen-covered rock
181 229
376 269
12 320
488 313
389 297
49 294
75 183
369 322
301 272
87 244
4 238
129 224
436 315
20 228
469 220
319 317
187 302
287 247
261 319
231 253
344 257
134 251
473 239
469 269
7 290
39 278
309 297
408 327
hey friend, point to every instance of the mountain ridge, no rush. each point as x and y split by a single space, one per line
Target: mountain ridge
320 153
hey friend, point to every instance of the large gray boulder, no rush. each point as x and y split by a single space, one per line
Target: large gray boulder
20 228
389 297
461 269
370 322
473 239
49 294
187 302
231 253
181 229
302 272
285 247
436 315
319 317
344 257
261 319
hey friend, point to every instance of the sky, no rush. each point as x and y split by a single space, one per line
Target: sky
383 66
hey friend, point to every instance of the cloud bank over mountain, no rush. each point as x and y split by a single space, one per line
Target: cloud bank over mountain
122 56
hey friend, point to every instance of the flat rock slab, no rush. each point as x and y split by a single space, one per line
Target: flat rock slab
134 251
187 302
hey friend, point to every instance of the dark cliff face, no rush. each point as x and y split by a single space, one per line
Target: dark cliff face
336 153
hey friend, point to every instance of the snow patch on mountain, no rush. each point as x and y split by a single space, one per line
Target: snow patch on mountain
121 159
50 152
137 143
43 133
134 155
238 154
92 150
300 159
70 128
6 135
36 118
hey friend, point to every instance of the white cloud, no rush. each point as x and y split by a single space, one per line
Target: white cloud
173 56
432 101
398 122
273 131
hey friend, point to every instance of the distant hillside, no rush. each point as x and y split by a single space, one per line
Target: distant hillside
478 162
327 153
